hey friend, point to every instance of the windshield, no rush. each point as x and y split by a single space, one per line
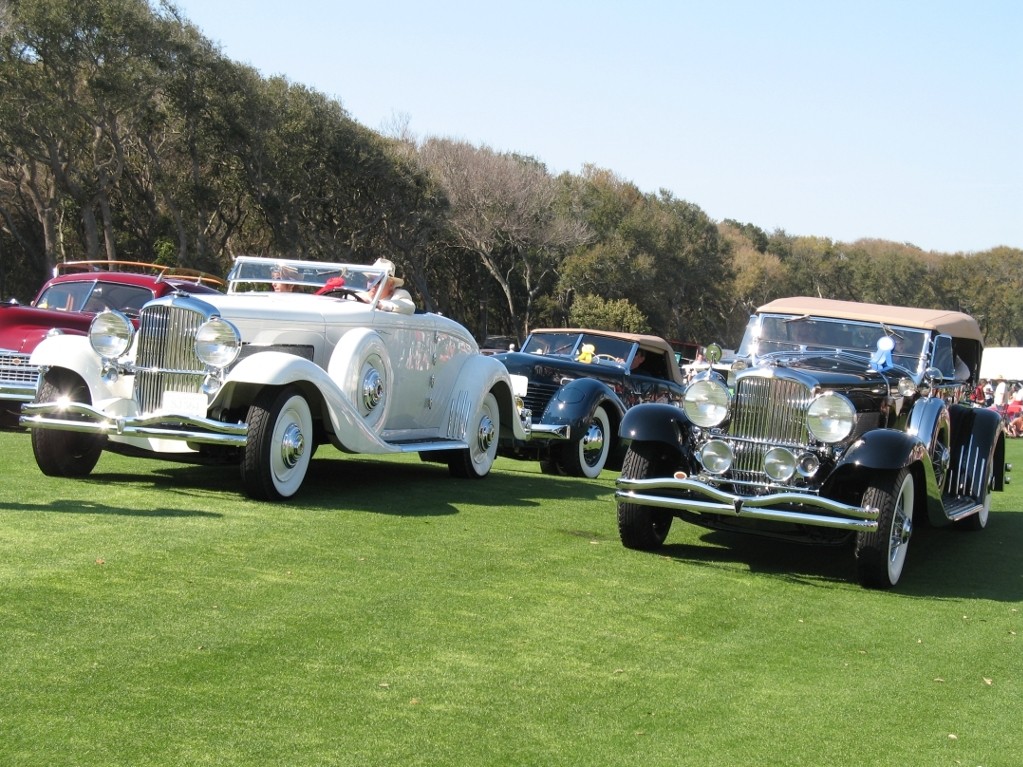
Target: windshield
570 344
779 333
94 296
268 274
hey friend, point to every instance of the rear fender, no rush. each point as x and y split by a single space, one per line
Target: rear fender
483 374
977 435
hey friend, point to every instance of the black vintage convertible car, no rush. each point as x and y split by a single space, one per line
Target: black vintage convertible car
578 385
848 423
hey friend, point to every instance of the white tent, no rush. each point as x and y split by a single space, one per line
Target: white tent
1002 362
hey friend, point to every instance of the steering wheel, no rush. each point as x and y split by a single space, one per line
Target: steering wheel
343 292
606 358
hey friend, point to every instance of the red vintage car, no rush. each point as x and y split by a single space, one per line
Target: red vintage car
67 303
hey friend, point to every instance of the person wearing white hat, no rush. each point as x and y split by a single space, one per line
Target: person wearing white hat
392 297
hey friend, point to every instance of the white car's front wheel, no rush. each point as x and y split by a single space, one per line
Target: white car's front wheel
279 446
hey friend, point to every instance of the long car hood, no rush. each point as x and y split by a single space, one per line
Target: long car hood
827 370
23 327
258 313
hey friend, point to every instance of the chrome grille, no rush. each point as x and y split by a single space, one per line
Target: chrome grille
14 368
537 397
767 412
166 359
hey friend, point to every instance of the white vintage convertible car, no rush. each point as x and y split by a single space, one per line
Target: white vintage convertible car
261 378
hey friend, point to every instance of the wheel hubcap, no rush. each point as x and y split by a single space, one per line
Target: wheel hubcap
292 446
372 389
903 531
485 435
593 443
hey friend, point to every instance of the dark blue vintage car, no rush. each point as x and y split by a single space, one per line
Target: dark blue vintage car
845 423
579 384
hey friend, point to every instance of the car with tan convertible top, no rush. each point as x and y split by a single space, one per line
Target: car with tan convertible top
295 355
847 424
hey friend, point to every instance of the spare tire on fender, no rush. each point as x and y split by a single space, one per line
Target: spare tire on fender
362 370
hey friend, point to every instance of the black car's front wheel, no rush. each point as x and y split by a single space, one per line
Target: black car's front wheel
641 527
587 455
881 555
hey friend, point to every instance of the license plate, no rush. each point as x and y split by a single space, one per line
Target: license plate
184 403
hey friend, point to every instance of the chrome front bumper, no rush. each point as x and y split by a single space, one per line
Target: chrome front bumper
701 498
173 426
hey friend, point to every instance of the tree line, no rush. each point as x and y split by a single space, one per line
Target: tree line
126 134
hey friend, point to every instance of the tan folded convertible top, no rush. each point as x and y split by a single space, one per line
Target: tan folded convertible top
955 324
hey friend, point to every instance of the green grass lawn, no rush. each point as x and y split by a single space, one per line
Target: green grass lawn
392 615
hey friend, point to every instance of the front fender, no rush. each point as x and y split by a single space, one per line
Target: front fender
884 449
574 403
242 384
75 353
66 351
272 368
891 450
929 417
656 422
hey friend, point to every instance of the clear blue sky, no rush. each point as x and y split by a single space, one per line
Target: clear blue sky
893 119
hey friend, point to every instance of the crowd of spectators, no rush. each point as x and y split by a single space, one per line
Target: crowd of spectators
1007 398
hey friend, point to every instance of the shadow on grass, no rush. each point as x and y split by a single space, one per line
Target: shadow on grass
402 486
381 486
68 506
942 563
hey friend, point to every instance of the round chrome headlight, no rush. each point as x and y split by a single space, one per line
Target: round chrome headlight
706 402
831 417
779 464
716 457
807 465
110 334
217 342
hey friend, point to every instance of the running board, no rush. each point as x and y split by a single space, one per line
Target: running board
429 445
957 508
